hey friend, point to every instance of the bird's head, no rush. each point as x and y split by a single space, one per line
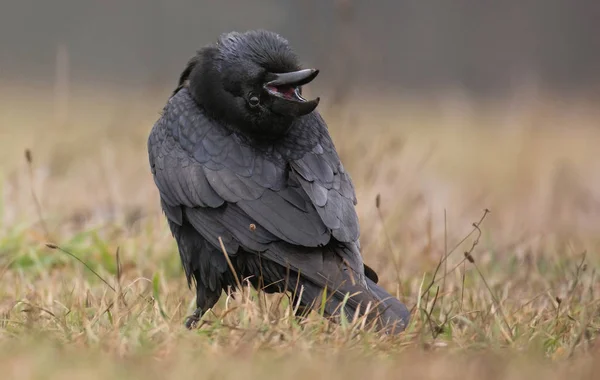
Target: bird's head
252 81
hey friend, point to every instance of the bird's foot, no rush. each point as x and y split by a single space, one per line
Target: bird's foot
192 320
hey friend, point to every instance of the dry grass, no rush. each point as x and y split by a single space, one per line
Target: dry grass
522 302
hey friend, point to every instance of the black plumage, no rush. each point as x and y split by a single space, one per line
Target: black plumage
239 154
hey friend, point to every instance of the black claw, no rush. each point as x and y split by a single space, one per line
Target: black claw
192 320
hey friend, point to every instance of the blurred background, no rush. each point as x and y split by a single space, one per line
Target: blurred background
438 106
439 109
485 48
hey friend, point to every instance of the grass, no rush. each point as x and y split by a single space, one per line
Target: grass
515 296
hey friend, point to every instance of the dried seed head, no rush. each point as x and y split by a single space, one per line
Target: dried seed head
469 257
51 246
28 156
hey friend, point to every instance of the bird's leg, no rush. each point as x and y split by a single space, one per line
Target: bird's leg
192 320
205 299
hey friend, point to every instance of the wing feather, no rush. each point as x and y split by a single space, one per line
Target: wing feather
295 191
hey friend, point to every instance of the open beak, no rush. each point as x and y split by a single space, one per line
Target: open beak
286 92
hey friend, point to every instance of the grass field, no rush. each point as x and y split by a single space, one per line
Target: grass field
516 297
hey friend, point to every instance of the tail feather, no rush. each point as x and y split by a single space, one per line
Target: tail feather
388 313
395 314
340 291
312 271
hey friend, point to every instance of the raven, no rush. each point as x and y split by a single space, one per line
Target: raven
252 186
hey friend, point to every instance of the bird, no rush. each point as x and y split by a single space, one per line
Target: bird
252 186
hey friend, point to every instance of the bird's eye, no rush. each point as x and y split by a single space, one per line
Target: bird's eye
253 101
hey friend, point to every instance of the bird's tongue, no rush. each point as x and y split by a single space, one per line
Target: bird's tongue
287 92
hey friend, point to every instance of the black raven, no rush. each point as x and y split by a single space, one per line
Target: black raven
239 156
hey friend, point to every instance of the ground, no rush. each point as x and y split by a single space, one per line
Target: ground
91 284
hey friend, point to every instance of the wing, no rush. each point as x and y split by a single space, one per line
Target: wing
323 178
295 191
